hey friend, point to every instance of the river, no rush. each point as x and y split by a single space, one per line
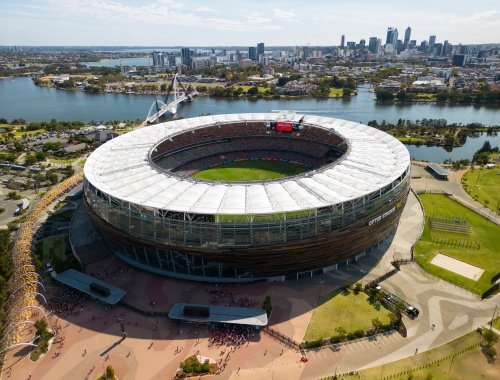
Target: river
19 97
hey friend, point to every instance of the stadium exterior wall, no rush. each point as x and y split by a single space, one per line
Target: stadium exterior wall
247 251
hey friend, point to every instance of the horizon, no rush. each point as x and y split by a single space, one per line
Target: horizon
163 23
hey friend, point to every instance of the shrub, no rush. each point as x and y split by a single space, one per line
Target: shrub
314 343
359 333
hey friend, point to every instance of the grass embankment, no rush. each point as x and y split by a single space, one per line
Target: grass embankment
483 234
351 311
251 170
484 186
461 359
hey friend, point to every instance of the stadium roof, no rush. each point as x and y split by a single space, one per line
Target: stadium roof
222 314
121 168
80 281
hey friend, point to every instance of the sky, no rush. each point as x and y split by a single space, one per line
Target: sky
242 22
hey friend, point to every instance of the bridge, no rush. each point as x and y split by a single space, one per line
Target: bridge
160 108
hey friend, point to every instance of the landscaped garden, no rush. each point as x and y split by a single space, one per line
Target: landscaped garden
477 247
348 313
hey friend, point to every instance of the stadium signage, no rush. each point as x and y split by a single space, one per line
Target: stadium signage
380 217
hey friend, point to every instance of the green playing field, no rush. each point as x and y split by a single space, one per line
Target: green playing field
251 170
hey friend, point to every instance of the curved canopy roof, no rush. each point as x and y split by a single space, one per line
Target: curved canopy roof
121 168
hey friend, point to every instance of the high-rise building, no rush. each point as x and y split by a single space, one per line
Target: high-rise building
379 45
362 44
392 39
342 41
390 35
186 55
447 47
406 42
432 42
351 45
158 59
260 49
395 36
252 53
372 45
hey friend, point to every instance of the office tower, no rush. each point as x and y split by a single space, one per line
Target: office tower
362 44
432 42
447 48
260 49
351 45
252 53
395 36
342 41
379 45
158 59
390 35
438 49
407 38
186 55
372 45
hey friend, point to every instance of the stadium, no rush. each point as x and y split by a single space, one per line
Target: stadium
314 192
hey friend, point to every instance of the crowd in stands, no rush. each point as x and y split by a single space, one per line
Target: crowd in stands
295 140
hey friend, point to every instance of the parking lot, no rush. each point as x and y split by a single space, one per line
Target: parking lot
335 351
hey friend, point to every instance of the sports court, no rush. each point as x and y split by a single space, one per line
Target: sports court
457 266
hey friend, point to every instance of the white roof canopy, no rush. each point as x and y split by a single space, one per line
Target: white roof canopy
121 168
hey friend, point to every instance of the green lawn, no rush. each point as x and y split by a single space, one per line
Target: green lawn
483 232
260 88
411 140
251 170
439 364
335 92
496 323
484 186
351 312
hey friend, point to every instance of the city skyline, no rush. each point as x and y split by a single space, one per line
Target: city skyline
277 22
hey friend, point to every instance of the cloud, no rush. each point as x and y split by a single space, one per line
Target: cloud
162 12
479 16
205 9
284 14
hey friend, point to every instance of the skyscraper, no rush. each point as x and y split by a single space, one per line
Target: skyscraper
407 38
395 36
158 59
432 42
390 35
186 57
372 45
252 53
260 49
342 41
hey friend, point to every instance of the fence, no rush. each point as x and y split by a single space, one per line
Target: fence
289 342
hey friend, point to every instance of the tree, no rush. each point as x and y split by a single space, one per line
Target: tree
346 92
376 323
252 91
267 306
13 195
110 372
384 95
52 145
489 337
30 159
